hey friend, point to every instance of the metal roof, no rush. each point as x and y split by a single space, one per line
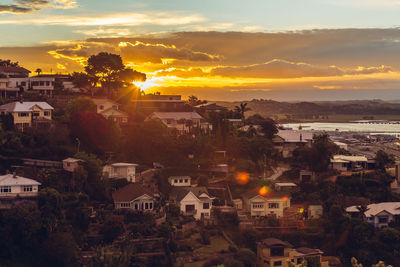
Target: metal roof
11 180
24 106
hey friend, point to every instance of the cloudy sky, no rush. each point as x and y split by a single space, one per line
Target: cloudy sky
219 49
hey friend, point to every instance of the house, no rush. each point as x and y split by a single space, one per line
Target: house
70 164
275 252
156 102
314 211
379 214
135 197
110 110
43 84
12 79
237 123
121 171
286 141
348 163
193 201
306 176
180 180
210 107
14 187
182 122
270 204
26 114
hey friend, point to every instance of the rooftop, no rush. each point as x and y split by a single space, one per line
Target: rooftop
272 242
24 106
344 158
131 192
176 115
10 180
374 209
296 136
123 164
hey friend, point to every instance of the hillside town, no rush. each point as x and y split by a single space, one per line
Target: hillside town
104 174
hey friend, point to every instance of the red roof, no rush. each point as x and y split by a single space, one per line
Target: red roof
131 192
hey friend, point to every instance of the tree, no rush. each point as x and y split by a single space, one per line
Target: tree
246 256
59 249
80 104
84 81
241 109
230 262
194 101
383 159
105 68
8 63
268 127
112 228
50 204
38 71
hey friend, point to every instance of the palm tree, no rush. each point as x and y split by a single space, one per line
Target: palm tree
38 71
241 109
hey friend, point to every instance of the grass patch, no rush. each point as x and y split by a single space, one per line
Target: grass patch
218 243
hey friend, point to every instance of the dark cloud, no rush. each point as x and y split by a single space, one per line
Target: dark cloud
32 3
15 9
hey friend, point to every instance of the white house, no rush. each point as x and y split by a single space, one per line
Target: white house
270 204
348 163
285 186
379 214
135 197
180 180
181 121
12 186
70 164
193 201
110 110
43 84
121 171
25 114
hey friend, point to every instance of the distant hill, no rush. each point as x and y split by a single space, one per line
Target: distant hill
364 109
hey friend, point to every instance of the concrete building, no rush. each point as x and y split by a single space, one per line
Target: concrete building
121 171
43 84
275 252
27 114
156 102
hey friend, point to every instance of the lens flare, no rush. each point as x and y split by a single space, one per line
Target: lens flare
263 190
242 178
301 210
285 198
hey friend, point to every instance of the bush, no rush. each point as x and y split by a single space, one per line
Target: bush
205 237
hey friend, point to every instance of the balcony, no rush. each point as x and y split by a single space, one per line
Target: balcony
190 212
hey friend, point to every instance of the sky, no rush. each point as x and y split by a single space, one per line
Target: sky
288 50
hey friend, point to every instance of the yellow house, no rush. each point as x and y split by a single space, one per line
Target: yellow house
275 252
25 114
110 110
270 204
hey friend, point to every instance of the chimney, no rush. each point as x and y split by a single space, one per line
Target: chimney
301 137
14 174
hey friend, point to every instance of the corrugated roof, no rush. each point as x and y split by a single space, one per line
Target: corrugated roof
24 106
178 193
270 195
10 180
176 115
271 242
123 164
295 136
131 192
341 158
374 209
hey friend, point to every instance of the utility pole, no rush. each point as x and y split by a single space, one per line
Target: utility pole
78 143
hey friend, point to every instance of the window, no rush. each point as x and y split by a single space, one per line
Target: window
206 214
23 83
186 180
41 83
206 206
146 206
278 263
35 114
5 189
28 188
35 83
383 219
258 205
23 114
136 206
125 205
101 107
151 205
273 205
277 251
299 260
176 181
180 180
47 83
47 113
